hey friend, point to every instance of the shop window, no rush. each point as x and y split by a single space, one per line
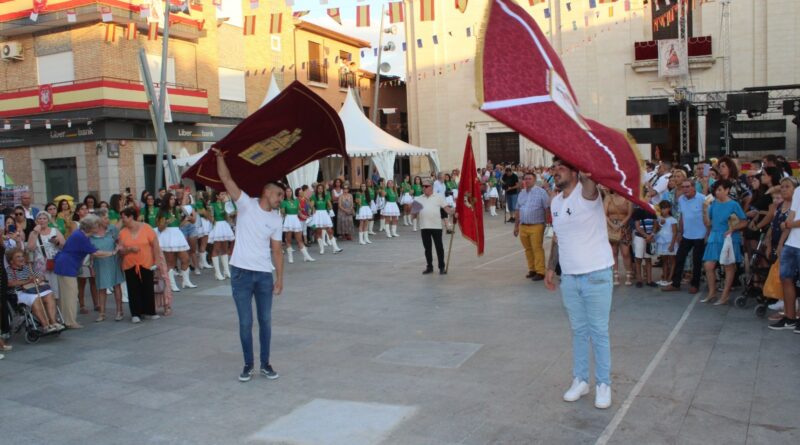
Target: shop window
61 177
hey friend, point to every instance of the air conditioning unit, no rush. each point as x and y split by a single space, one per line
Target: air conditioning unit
11 51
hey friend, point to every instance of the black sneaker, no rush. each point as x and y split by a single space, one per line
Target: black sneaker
783 324
442 272
269 373
639 284
797 328
427 270
247 374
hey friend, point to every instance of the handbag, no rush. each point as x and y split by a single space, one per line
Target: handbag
50 263
727 256
772 287
159 285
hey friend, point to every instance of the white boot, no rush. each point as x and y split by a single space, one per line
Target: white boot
321 246
382 225
172 283
325 239
415 224
204 261
186 281
306 256
290 254
394 230
336 248
217 274
366 238
388 231
223 261
370 228
493 211
361 238
199 268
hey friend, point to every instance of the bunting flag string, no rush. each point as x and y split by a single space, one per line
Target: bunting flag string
362 16
334 14
461 5
396 12
152 31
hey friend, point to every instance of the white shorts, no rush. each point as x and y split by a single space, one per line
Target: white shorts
640 248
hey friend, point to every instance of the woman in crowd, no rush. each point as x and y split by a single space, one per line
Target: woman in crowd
189 228
740 191
321 219
220 237
149 213
68 263
23 224
108 274
345 214
85 273
114 207
292 226
364 215
761 211
406 200
45 242
336 193
91 203
32 290
64 218
172 241
52 210
138 245
717 217
202 228
776 236
390 211
618 217
373 206
416 190
304 211
380 203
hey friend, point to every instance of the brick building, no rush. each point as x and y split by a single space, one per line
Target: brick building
83 99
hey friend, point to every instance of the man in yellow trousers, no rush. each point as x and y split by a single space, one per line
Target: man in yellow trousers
533 203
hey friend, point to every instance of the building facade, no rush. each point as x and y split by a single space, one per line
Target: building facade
609 49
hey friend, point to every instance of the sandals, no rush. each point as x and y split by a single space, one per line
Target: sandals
167 311
616 278
6 348
100 318
119 317
628 279
83 310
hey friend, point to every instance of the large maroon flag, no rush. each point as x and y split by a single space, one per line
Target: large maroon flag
523 84
293 129
469 206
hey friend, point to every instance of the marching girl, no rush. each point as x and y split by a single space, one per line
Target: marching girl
416 189
371 195
321 219
149 212
406 200
364 213
221 235
202 228
304 212
380 202
189 228
491 194
390 211
230 209
172 241
292 226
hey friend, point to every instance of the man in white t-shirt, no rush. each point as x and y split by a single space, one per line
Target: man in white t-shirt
253 273
790 267
428 208
586 279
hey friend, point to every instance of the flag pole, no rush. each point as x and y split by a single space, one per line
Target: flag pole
450 248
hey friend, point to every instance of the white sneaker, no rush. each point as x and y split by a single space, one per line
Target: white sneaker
152 317
777 306
578 389
135 320
602 396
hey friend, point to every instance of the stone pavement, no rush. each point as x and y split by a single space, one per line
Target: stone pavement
370 351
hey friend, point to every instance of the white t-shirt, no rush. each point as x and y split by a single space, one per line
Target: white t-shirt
794 235
662 183
579 224
255 228
430 217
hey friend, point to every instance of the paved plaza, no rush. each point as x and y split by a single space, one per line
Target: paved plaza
370 352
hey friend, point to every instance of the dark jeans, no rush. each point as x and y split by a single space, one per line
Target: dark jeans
433 236
247 284
141 287
697 246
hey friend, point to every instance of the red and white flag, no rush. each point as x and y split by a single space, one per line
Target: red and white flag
334 14
469 206
396 13
275 23
152 31
105 13
249 25
461 5
362 16
426 10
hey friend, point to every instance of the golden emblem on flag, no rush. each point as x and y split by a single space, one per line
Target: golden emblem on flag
263 151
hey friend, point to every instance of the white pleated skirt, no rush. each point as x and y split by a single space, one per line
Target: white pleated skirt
292 224
221 232
172 240
364 213
391 209
492 193
321 220
202 227
407 199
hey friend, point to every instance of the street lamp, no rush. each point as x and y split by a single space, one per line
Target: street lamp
381 67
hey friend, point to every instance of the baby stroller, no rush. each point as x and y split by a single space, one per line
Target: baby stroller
21 317
760 263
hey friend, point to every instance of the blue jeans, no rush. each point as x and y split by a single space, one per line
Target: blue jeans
790 262
512 202
587 298
247 284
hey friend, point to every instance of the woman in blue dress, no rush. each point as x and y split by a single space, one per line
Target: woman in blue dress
717 217
108 272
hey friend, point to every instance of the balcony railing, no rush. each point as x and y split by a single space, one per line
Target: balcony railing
96 92
317 72
698 47
347 79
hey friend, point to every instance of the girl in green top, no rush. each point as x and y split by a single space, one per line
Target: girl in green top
416 189
114 207
406 200
172 241
292 226
221 235
321 220
390 211
149 213
202 227
363 213
491 194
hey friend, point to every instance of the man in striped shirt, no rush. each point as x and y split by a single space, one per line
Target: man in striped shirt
533 203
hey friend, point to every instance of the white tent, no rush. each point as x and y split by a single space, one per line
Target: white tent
365 139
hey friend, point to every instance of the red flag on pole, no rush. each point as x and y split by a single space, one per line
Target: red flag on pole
469 206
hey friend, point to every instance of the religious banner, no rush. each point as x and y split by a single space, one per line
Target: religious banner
45 97
469 206
673 58
542 105
293 129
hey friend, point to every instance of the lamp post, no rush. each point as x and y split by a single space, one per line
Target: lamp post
381 49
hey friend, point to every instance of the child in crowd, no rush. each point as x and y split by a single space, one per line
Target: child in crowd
643 241
666 242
